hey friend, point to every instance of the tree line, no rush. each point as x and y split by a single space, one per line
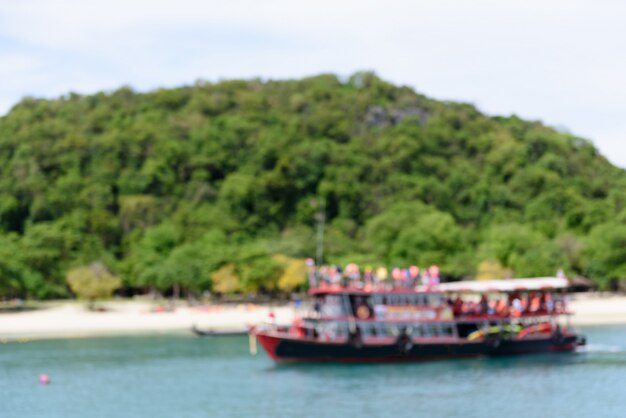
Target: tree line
218 187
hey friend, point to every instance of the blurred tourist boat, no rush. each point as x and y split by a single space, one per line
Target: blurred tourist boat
356 323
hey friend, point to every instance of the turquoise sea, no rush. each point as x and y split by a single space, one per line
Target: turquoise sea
188 376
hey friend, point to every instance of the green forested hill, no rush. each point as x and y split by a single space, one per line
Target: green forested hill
222 182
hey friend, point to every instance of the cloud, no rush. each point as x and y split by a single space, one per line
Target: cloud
559 61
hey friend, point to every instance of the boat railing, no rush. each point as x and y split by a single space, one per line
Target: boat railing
339 329
372 288
438 318
441 333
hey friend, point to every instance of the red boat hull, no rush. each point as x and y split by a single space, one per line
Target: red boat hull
286 348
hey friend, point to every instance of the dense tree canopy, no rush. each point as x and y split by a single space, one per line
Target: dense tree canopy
216 186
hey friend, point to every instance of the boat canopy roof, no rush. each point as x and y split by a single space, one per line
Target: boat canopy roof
507 285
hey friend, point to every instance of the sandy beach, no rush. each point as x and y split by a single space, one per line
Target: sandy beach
598 309
72 319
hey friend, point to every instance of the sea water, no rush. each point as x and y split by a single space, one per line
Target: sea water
189 376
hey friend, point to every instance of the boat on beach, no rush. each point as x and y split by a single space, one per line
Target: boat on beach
393 323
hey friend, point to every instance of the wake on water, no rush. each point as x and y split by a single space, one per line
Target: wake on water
601 348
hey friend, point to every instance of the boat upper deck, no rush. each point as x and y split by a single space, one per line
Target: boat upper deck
513 298
370 290
474 286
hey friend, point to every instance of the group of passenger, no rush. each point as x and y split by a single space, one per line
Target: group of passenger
370 278
515 305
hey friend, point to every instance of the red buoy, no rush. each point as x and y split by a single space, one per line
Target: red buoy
44 379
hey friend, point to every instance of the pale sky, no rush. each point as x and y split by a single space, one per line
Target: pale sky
562 62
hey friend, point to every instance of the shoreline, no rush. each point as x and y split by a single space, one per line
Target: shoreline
62 320
598 309
121 318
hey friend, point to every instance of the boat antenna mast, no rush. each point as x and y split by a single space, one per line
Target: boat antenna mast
321 220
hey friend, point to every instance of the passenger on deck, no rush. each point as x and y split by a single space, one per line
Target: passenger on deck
414 272
363 310
471 308
323 277
535 303
368 278
484 305
559 304
516 307
457 306
317 306
503 308
335 275
549 302
407 278
398 277
381 277
353 275
433 272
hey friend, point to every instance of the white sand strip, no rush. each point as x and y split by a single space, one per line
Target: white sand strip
73 320
596 309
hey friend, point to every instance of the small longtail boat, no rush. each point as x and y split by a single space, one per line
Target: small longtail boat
210 332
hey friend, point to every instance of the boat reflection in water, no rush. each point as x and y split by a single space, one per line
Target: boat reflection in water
356 323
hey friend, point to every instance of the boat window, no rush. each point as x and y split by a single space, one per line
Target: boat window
369 330
390 330
434 300
427 330
335 329
319 330
447 330
332 306
327 330
437 330
420 330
